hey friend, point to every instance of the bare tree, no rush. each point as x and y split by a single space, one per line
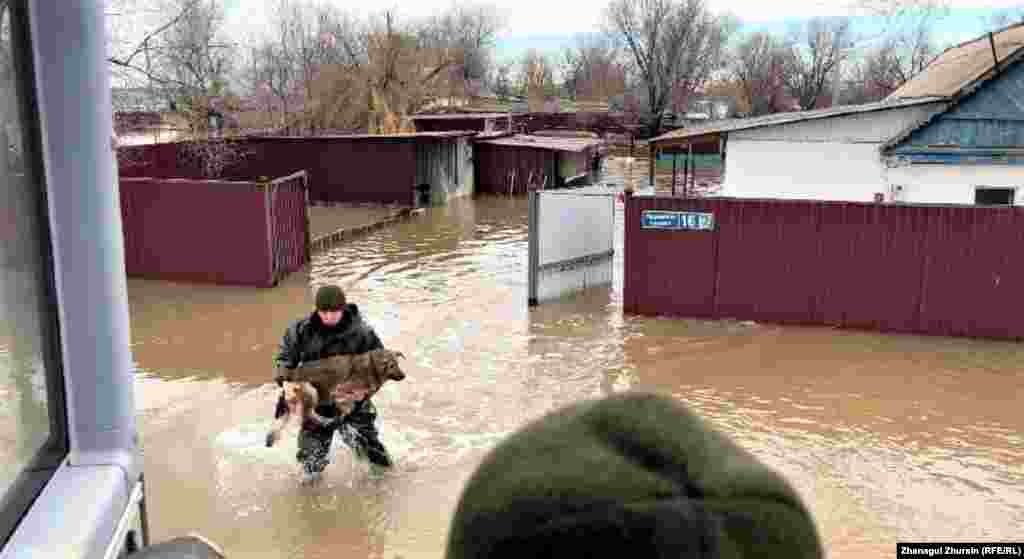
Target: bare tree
470 30
321 68
759 67
818 48
299 67
503 81
538 80
591 69
673 46
1004 18
902 50
184 58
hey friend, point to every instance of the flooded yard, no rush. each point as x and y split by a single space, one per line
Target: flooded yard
887 438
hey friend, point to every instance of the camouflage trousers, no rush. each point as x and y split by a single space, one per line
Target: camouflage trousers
357 430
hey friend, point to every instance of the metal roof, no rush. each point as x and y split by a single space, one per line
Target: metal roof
460 116
733 124
964 95
401 136
544 142
960 66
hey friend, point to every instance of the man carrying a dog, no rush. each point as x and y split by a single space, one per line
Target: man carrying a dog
334 328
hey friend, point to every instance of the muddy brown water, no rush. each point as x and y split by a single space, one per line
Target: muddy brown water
887 438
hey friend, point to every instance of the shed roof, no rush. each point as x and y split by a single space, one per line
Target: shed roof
733 124
401 136
460 116
544 142
960 66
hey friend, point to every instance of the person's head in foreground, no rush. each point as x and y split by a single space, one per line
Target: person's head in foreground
628 476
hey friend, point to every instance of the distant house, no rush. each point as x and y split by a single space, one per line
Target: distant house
137 100
953 134
141 116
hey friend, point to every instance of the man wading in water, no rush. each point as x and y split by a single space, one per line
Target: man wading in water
334 328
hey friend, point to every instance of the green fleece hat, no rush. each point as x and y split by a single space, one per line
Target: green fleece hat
631 475
329 298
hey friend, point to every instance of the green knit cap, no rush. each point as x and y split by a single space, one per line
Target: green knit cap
630 475
329 298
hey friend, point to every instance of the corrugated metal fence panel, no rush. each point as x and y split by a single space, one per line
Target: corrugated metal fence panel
495 164
668 272
340 169
872 265
206 231
926 269
490 166
436 165
290 230
974 281
467 180
759 272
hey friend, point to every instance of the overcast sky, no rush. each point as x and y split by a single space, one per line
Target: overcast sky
549 25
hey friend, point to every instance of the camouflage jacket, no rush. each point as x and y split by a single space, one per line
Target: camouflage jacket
308 339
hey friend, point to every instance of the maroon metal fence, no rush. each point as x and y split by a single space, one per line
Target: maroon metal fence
234 233
341 169
945 270
289 223
507 170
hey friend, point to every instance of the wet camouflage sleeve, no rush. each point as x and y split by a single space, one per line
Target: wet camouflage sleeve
371 341
287 354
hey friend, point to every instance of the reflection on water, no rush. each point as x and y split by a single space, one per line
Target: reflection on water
887 437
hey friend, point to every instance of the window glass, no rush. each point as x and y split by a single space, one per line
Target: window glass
994 196
31 415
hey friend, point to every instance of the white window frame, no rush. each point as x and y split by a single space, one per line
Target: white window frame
79 511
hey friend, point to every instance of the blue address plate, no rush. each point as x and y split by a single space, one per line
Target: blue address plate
677 221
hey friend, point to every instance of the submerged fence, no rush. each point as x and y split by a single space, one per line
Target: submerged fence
236 233
571 241
945 270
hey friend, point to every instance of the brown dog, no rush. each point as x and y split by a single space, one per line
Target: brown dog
342 380
301 398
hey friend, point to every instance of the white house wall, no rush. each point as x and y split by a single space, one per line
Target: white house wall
954 184
874 126
803 170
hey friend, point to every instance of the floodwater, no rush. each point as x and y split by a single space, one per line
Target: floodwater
887 438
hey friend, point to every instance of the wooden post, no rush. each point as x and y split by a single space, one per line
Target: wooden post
652 155
686 173
693 168
532 249
268 206
995 57
675 156
305 195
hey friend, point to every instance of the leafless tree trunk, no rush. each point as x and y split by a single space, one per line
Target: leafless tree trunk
503 81
672 45
1005 18
305 69
184 56
902 50
323 69
759 67
470 30
538 79
592 70
816 52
